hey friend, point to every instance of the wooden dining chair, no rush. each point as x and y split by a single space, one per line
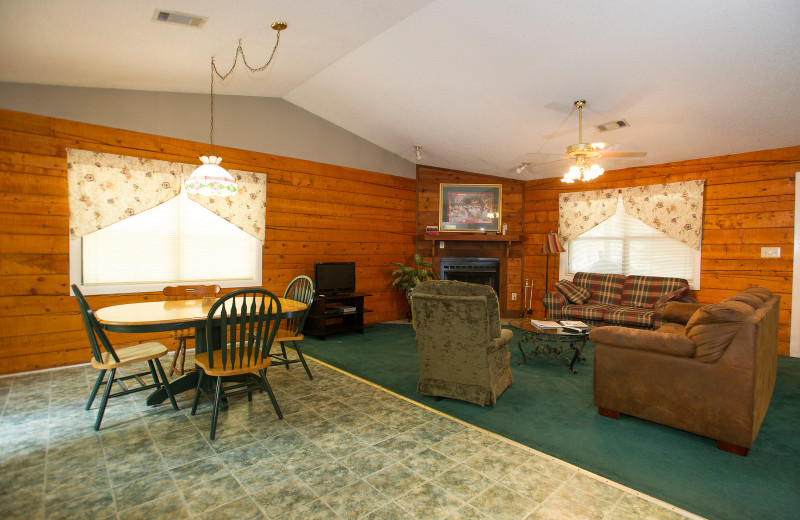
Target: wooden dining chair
300 289
108 358
238 340
185 292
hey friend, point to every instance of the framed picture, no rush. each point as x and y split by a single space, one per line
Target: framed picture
470 207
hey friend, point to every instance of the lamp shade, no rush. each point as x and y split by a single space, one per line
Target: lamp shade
552 244
211 179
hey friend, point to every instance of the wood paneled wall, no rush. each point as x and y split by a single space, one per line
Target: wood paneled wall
428 180
315 212
749 204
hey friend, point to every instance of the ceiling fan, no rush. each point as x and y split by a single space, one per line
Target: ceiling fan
583 153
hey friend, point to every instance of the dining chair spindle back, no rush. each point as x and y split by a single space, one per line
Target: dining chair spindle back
185 292
105 357
238 342
300 289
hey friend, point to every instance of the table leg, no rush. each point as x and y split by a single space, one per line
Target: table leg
524 357
578 349
181 384
187 381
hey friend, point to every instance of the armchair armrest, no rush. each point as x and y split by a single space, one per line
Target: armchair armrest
647 340
679 312
554 302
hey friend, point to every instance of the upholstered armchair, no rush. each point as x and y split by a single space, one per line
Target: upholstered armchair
463 352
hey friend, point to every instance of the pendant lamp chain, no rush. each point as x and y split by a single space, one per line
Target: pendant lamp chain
278 26
210 178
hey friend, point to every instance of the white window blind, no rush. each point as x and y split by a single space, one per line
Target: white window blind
177 242
625 245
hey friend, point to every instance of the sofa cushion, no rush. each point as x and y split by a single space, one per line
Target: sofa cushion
713 326
762 292
636 339
574 294
630 316
605 288
751 299
645 291
587 311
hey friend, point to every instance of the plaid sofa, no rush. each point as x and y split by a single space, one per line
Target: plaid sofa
629 301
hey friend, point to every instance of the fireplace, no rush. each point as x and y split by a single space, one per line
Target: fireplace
484 271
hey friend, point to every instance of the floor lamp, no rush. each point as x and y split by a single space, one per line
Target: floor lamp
552 245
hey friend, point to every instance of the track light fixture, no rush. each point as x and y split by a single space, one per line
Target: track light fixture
418 152
522 167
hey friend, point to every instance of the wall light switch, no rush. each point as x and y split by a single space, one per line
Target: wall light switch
441 244
770 252
513 296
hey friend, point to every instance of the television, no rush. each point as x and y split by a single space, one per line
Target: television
335 277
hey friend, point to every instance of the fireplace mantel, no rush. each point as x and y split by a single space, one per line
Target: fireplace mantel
470 237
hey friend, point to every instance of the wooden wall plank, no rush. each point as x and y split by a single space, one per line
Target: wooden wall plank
513 200
749 204
315 212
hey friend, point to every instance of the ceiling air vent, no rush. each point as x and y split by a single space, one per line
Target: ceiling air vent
189 20
613 125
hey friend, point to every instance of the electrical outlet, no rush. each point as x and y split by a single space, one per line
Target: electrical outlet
770 252
441 244
513 296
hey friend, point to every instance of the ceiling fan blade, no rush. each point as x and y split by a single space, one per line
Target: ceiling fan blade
623 154
559 107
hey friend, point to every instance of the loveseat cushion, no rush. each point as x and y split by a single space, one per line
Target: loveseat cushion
572 292
677 294
630 316
645 291
605 288
713 326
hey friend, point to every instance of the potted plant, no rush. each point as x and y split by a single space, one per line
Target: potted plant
408 277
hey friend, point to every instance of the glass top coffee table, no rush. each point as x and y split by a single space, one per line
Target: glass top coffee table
550 341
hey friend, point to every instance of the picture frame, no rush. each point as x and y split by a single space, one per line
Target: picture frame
471 208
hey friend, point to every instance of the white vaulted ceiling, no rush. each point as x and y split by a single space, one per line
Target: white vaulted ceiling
481 86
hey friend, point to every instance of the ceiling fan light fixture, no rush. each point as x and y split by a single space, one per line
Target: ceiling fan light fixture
582 152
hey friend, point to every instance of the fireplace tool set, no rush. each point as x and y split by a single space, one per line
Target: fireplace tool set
528 298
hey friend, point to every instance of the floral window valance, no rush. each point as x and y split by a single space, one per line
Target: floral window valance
676 209
106 188
581 211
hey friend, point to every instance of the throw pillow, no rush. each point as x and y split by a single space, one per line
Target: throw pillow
713 326
573 293
677 294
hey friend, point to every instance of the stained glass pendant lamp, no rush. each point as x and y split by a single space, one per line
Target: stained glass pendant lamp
211 179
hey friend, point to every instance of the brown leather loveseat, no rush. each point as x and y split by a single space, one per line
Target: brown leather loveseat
709 370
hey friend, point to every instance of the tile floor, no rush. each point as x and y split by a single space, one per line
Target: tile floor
345 449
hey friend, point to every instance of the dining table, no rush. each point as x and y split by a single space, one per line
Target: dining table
160 316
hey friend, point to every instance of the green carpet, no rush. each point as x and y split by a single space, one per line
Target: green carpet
551 410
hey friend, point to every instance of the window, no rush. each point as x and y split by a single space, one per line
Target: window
625 245
177 242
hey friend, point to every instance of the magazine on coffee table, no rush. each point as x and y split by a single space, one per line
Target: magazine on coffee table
540 324
574 324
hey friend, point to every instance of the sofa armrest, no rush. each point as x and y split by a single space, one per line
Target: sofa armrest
679 312
643 339
501 342
554 302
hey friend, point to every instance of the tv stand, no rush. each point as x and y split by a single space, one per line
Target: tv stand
335 313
